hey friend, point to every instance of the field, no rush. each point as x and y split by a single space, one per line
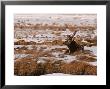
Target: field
40 49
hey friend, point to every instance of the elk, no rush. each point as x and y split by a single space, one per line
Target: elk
72 44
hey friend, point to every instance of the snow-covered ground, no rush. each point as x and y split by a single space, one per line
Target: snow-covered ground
56 18
93 49
93 63
57 55
48 35
57 74
22 55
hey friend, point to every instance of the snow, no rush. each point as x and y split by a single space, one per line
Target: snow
69 58
90 34
93 49
44 59
67 32
16 46
21 55
56 18
56 54
93 63
57 74
28 46
41 60
45 36
66 58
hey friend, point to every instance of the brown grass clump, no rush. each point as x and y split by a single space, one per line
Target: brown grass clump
54 42
45 43
57 42
91 42
20 42
86 58
57 66
54 26
75 68
23 67
48 67
91 70
78 68
29 67
59 49
57 33
35 53
23 42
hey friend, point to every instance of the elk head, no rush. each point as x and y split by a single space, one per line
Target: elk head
70 38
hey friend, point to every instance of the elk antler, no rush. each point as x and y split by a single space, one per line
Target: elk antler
73 35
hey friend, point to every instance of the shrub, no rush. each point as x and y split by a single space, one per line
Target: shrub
24 67
78 68
91 70
29 67
86 58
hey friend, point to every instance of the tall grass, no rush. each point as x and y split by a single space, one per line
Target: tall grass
30 67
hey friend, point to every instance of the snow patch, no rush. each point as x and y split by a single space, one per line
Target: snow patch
93 49
93 63
57 74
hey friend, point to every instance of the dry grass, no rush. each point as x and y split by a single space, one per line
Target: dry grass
25 67
59 50
91 70
30 67
86 58
54 42
23 42
78 68
26 51
90 42
75 68
48 67
33 51
57 42
54 26
45 43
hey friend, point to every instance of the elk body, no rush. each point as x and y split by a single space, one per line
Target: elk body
72 44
